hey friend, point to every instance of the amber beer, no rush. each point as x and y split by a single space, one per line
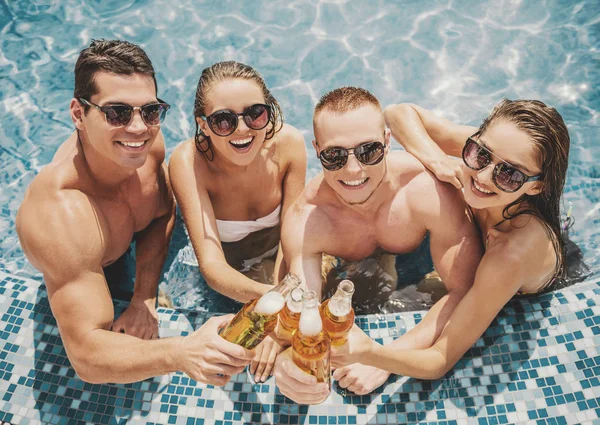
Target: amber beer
289 316
310 344
258 318
337 313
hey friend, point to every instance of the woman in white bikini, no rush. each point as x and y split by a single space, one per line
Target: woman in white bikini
512 173
234 181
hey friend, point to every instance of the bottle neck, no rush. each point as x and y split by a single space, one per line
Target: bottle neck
345 290
287 284
310 319
294 300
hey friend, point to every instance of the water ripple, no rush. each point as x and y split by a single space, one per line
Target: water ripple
457 58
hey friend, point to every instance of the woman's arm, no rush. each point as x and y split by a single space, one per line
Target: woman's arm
199 217
293 152
429 138
504 269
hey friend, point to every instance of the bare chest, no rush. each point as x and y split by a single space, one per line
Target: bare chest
354 239
246 197
124 215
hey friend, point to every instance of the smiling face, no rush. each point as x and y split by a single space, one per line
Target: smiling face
127 146
235 94
354 182
514 146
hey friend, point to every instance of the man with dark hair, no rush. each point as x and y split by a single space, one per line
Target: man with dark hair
368 198
107 184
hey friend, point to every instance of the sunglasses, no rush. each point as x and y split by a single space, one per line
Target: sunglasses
369 153
224 122
120 115
505 176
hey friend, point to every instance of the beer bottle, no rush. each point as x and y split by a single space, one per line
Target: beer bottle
310 344
289 316
337 313
258 318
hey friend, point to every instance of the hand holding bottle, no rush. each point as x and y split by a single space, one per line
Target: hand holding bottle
296 384
358 345
258 318
206 357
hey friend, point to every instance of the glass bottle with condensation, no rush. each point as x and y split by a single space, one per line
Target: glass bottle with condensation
258 318
311 347
289 316
337 313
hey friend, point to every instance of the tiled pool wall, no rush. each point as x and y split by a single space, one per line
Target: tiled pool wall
538 363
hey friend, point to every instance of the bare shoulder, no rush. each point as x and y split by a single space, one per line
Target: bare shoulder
183 154
310 213
60 231
290 146
289 134
524 237
428 195
404 164
404 168
186 161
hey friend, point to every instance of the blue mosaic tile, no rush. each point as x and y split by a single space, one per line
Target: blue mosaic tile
549 375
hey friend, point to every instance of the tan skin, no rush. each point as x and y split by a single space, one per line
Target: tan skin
519 255
391 210
236 186
80 214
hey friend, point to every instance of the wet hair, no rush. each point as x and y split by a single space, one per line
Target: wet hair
548 132
345 99
114 56
221 71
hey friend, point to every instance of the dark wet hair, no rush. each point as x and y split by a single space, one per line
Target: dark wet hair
221 71
550 137
114 56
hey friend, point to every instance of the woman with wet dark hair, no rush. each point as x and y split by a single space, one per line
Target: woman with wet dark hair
234 181
512 173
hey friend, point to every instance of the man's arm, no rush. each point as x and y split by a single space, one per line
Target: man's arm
140 318
456 250
65 241
300 245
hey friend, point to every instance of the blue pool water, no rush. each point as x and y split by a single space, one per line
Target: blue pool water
457 58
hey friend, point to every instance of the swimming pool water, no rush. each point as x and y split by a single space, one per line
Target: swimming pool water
457 58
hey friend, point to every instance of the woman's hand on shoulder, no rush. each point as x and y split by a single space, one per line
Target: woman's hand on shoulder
449 170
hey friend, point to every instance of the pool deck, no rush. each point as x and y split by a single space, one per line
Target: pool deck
538 363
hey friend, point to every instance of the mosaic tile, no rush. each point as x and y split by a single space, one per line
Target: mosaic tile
524 369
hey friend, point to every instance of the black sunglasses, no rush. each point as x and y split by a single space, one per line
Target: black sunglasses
369 153
120 115
224 121
505 176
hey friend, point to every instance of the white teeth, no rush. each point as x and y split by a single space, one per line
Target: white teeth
133 144
354 182
481 189
241 141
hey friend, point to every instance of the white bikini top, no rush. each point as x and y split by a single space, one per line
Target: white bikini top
233 231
